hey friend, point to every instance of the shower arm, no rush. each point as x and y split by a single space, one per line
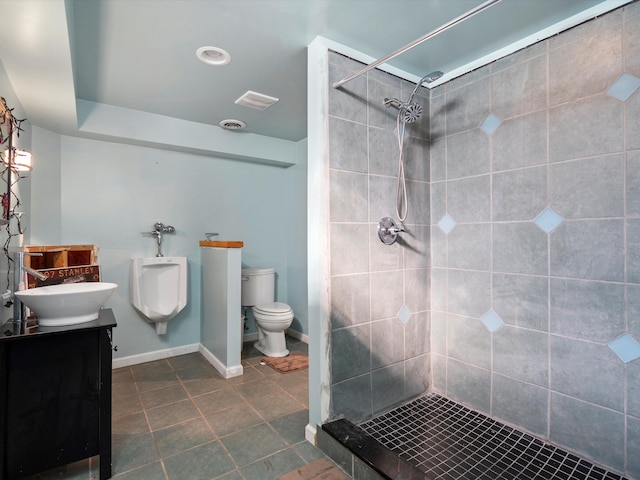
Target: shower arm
409 46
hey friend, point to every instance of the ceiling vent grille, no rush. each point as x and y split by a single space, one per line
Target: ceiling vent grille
256 100
231 124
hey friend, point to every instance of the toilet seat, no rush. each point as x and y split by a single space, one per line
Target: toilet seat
275 311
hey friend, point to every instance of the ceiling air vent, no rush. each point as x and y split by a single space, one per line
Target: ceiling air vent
231 124
256 100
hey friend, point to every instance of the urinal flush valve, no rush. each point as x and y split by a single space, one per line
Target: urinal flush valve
159 229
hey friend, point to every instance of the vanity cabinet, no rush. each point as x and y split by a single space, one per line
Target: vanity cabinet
55 402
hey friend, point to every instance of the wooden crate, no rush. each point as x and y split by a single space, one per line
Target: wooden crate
63 264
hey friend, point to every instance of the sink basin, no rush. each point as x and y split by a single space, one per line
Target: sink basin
67 304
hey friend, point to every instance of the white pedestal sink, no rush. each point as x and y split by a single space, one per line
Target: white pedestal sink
67 304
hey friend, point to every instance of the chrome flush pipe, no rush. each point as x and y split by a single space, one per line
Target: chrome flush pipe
159 229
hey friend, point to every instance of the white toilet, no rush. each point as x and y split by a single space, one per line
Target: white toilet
158 288
272 318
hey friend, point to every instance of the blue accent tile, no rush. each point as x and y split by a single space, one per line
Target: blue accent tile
446 223
492 321
624 87
625 347
491 124
548 220
404 314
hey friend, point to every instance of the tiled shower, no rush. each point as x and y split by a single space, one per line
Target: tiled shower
516 291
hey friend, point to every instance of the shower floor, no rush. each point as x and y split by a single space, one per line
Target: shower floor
447 441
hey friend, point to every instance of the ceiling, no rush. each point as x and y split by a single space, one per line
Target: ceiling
140 55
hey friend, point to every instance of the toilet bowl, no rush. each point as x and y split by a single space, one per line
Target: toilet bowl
272 318
158 288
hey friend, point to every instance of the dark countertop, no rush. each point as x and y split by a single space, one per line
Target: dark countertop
105 319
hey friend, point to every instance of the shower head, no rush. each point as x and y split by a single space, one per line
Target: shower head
410 111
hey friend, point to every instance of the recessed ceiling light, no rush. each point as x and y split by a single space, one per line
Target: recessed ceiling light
213 56
231 124
256 100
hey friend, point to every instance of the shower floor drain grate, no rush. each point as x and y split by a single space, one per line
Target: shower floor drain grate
450 442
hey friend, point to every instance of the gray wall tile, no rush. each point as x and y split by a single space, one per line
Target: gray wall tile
349 247
519 194
387 342
633 182
468 154
633 389
417 373
468 341
597 431
350 100
469 247
348 196
520 89
417 335
387 288
632 41
633 121
383 152
520 142
589 249
439 332
350 352
520 403
586 128
522 354
468 292
633 446
468 106
588 188
352 398
348 145
469 384
519 248
388 383
587 310
416 246
416 287
522 300
575 366
350 300
469 199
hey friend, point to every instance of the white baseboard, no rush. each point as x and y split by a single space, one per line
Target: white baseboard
152 356
304 338
310 434
250 337
226 372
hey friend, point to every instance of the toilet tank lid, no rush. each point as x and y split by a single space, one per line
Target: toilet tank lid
258 271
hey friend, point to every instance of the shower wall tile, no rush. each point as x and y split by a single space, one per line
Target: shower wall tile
468 79
382 256
633 446
468 154
416 246
588 188
416 158
522 300
350 352
586 128
596 431
633 250
352 398
519 194
468 106
378 89
387 288
633 121
439 199
439 290
469 199
520 89
387 343
439 373
350 300
520 403
468 341
417 373
349 248
438 160
469 384
383 152
632 183
416 286
632 40
347 145
521 56
588 249
522 354
348 196
587 29
439 249
468 292
418 198
388 383
633 310
574 365
350 100
585 67
633 389
519 248
520 142
437 120
417 334
587 310
382 195
469 247
439 332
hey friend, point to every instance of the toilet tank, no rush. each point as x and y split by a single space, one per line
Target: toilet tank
258 286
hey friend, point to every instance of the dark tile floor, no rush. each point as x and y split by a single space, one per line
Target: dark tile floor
178 419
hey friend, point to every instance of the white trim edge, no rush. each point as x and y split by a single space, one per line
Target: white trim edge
226 372
151 356
304 338
310 434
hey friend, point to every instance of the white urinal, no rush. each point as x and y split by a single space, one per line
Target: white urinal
158 288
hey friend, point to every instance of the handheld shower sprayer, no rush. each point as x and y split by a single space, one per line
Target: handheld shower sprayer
408 112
